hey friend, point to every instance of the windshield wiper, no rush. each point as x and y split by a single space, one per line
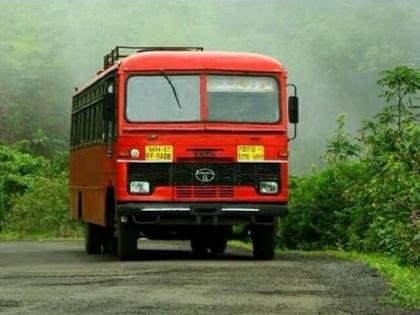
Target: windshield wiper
173 89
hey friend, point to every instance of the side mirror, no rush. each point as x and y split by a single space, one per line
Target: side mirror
108 101
293 109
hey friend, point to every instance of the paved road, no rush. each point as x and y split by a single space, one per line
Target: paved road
58 278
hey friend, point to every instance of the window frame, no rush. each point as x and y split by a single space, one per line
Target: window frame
204 99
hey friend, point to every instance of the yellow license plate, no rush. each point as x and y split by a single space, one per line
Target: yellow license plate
163 153
250 153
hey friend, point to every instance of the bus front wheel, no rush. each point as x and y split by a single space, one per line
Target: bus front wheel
263 241
127 241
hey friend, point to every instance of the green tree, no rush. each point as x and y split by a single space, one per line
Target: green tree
341 146
399 87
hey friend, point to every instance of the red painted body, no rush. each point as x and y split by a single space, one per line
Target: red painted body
92 171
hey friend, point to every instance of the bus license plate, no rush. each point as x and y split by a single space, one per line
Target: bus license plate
250 153
161 153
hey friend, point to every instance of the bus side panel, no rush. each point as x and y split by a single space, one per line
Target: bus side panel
74 204
91 172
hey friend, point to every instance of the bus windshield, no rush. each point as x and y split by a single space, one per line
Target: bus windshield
152 98
252 99
177 98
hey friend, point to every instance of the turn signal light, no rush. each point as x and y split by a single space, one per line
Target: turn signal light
135 153
282 153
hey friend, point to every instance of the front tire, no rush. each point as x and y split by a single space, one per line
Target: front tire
127 242
263 241
93 238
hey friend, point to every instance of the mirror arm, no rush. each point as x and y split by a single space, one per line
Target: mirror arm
294 133
294 88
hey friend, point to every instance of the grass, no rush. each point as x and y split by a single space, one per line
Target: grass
16 236
240 244
404 281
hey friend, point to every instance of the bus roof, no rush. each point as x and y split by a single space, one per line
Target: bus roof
200 60
191 60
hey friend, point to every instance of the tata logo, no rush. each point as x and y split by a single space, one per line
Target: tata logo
205 175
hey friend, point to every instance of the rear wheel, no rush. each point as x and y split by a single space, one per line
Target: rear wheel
263 241
93 238
199 245
110 244
109 241
127 241
218 245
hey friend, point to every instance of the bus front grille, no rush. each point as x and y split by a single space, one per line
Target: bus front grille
203 192
184 175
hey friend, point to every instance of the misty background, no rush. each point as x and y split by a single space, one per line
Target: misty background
332 49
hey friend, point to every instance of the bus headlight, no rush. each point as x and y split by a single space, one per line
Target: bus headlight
137 187
269 187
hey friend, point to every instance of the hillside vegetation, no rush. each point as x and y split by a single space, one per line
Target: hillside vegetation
34 198
367 198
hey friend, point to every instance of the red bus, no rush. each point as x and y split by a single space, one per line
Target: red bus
181 143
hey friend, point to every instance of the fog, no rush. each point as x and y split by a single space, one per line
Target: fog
332 49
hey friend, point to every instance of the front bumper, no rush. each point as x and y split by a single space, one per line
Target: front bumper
200 213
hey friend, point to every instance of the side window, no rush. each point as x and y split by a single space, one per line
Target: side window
86 126
83 127
74 140
101 123
79 128
87 123
90 123
94 123
72 131
98 132
110 127
110 87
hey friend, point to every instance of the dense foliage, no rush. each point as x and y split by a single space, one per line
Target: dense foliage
34 194
367 198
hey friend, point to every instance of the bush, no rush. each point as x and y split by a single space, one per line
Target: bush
18 171
320 210
368 196
388 203
43 210
359 205
34 197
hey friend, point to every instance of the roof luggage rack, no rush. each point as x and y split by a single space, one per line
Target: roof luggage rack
120 52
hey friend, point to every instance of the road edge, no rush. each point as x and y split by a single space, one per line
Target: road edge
403 281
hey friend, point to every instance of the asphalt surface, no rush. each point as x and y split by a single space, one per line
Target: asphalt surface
57 277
